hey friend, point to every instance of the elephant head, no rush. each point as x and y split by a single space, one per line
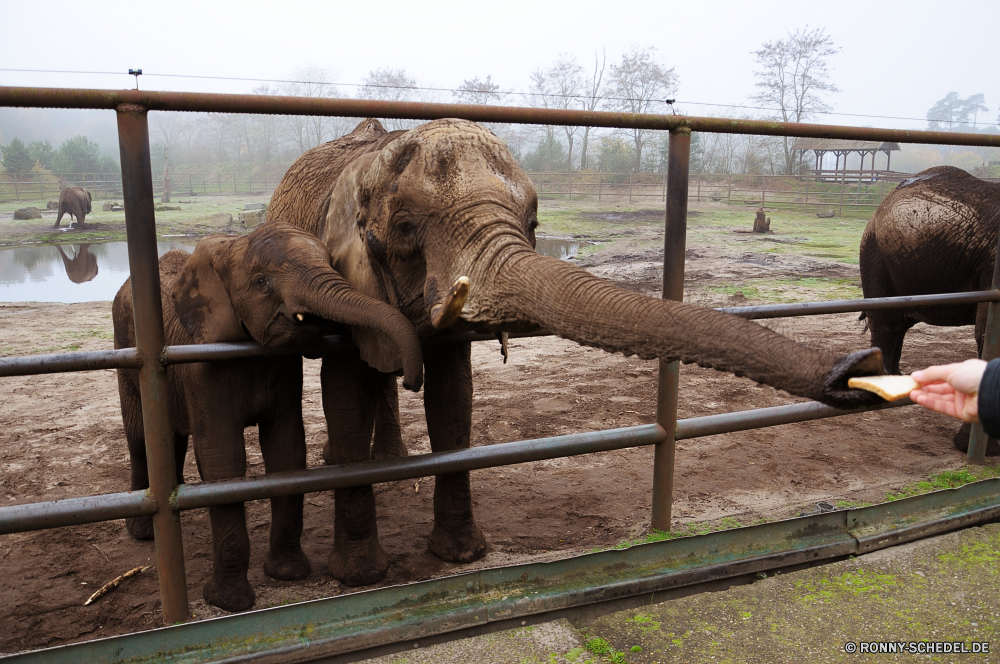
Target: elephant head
440 223
277 287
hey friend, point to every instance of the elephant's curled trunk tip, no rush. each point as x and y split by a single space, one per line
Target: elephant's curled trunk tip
860 363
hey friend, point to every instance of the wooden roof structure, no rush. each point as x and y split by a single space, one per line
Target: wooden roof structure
840 146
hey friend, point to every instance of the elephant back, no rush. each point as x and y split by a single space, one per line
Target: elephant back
306 186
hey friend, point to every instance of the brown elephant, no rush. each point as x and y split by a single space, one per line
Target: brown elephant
74 201
439 221
935 233
275 286
82 267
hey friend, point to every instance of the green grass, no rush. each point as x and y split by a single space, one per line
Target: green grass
949 479
802 289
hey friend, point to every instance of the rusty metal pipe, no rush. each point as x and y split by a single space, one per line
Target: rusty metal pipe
29 365
74 511
360 108
190 496
675 235
140 228
844 306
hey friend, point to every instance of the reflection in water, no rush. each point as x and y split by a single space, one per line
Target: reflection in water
53 273
82 267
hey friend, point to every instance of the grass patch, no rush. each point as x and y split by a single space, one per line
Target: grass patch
802 289
948 479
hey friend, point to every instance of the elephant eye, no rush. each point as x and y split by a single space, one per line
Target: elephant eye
261 282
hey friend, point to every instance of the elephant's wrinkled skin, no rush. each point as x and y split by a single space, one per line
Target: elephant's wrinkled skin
74 201
935 233
275 286
407 215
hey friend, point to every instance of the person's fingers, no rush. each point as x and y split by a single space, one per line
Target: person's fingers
968 376
938 372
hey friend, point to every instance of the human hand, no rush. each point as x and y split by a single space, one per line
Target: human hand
951 389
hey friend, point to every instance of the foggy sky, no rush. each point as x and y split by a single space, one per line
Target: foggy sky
898 57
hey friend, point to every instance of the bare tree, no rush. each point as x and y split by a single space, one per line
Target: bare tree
640 83
792 77
487 93
390 85
594 97
559 86
304 131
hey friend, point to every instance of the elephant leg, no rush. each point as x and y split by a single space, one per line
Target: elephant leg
448 406
388 443
59 217
350 398
221 454
888 331
283 445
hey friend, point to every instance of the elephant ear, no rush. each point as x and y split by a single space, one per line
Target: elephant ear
201 299
345 226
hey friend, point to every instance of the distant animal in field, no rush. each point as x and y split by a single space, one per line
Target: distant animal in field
74 201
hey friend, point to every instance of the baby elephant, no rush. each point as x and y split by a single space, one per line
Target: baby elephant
74 201
275 286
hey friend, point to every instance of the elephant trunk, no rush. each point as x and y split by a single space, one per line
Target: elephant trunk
329 296
574 304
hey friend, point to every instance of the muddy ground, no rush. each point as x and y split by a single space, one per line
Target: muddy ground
61 436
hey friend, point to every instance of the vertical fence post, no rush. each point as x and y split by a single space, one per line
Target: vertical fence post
843 177
630 187
806 204
991 344
729 189
699 188
140 228
763 189
673 289
17 196
571 185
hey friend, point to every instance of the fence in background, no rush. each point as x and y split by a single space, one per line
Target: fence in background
165 499
109 185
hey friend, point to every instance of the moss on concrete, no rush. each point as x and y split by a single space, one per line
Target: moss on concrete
941 589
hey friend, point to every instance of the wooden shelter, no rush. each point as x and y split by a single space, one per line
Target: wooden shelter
839 146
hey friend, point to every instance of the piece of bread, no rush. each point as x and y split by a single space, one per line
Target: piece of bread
889 388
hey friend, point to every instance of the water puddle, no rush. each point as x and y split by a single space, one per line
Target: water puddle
560 248
95 272
69 273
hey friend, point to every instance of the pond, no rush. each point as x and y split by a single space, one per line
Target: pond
95 272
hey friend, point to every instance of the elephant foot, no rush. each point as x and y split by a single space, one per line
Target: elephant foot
360 565
141 527
961 442
231 596
458 546
287 565
381 451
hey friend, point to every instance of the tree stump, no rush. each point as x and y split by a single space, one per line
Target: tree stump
761 224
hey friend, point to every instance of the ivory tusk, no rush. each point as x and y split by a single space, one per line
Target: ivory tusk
300 317
446 312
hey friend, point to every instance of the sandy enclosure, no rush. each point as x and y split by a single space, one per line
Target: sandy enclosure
61 436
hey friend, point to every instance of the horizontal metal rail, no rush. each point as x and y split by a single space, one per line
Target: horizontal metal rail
127 358
872 304
72 511
363 108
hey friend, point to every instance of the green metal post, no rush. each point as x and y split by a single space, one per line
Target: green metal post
673 289
140 228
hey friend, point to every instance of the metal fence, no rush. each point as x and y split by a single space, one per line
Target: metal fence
109 185
822 192
165 498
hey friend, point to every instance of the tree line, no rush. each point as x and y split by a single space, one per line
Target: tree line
792 82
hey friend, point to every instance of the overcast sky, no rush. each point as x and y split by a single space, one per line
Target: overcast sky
898 57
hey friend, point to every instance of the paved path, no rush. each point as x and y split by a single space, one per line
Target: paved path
944 589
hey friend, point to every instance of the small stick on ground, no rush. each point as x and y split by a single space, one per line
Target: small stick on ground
100 552
114 583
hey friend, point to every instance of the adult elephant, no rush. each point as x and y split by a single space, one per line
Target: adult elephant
439 222
74 201
82 267
935 233
275 286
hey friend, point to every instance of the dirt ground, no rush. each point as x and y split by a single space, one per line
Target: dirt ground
61 436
